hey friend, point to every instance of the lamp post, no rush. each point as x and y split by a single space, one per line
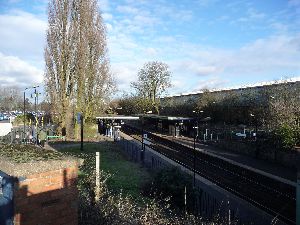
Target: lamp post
194 161
24 133
143 146
35 105
195 138
255 136
197 120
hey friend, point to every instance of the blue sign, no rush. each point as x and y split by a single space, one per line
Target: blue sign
78 118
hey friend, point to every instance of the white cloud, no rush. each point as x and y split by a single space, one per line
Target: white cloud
22 43
197 68
107 16
212 83
22 34
127 9
104 5
16 72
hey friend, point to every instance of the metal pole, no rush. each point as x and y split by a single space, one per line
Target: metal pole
256 144
24 119
298 193
194 166
142 152
35 99
185 200
81 132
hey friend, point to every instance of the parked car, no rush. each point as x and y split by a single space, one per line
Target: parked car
5 116
1 117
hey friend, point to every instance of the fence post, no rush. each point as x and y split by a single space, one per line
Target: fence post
185 199
229 219
97 191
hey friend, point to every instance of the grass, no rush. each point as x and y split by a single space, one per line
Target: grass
127 176
27 153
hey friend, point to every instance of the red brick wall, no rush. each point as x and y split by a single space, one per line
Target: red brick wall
47 198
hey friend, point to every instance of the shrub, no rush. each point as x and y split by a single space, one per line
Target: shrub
20 118
171 182
287 136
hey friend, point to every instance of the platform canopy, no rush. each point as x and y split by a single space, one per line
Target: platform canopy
170 118
117 117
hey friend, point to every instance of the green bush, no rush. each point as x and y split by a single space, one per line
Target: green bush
287 136
171 182
20 118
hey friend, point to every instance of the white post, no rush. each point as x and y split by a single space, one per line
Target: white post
211 136
97 191
229 219
185 199
298 198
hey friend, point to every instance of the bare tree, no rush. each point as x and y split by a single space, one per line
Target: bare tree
93 78
77 76
11 98
59 79
153 81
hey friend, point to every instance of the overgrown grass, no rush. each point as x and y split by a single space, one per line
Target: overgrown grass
27 153
121 182
126 176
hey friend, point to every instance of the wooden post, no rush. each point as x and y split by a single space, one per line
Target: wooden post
97 191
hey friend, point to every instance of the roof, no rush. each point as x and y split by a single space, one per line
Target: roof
172 118
116 117
260 84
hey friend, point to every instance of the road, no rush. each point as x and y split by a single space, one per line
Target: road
4 121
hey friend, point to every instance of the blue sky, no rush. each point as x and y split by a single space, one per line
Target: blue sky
206 43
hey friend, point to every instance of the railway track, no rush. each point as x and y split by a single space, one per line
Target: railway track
273 196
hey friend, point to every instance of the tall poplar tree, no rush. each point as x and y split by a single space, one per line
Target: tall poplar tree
77 75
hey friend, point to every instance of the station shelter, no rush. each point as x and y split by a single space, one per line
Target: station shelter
169 125
110 125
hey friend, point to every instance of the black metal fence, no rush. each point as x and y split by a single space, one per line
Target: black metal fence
18 135
206 205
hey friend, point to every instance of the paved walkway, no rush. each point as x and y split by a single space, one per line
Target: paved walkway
258 164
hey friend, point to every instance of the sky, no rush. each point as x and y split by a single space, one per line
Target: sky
210 44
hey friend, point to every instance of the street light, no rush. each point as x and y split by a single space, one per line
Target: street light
195 138
255 136
197 120
24 117
143 146
194 163
25 109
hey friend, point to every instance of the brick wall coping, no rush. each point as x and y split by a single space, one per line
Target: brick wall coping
23 169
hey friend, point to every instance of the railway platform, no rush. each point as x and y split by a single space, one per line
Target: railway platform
259 165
